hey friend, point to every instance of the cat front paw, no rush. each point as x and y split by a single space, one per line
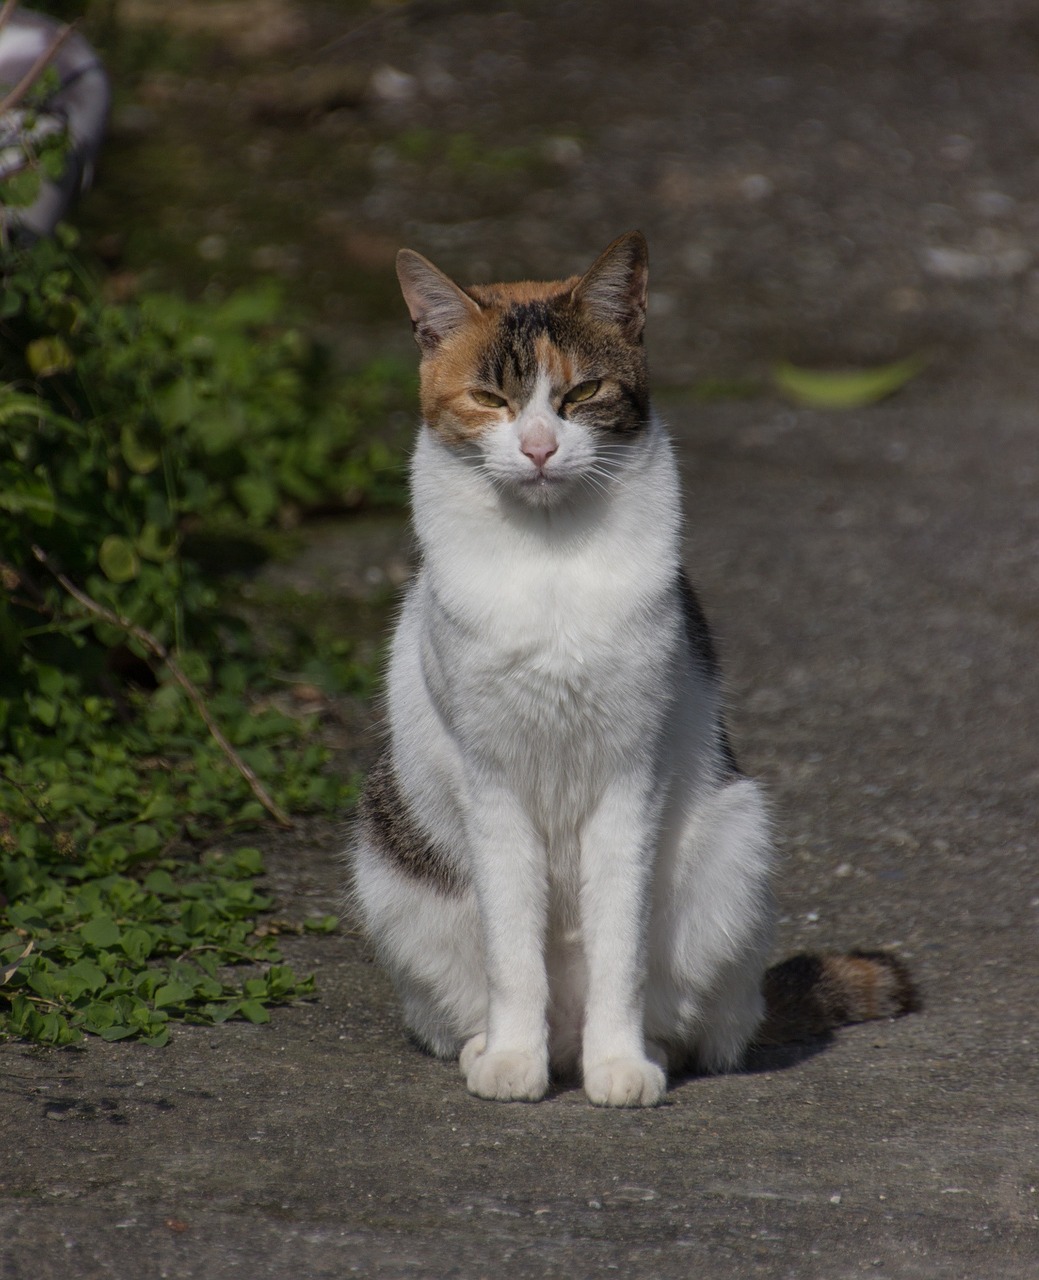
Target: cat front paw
625 1082
505 1077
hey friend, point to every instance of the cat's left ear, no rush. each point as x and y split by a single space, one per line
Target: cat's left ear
614 288
437 305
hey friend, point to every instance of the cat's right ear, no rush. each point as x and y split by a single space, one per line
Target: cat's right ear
614 287
437 305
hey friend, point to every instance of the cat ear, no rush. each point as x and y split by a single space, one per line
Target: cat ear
437 306
613 289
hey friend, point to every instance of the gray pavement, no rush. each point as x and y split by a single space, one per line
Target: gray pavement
873 577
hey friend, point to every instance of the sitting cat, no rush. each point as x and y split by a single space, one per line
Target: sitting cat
558 859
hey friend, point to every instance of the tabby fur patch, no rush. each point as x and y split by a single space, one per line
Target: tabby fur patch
389 825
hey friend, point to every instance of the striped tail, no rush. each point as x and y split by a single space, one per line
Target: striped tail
809 995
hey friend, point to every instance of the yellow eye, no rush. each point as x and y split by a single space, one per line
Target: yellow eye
583 391
488 399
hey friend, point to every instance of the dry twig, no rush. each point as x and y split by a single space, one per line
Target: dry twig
6 11
36 70
8 971
156 647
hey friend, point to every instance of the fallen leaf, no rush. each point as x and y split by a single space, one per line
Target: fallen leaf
9 970
844 388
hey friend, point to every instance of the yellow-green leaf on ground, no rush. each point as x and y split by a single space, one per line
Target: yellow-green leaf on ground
844 388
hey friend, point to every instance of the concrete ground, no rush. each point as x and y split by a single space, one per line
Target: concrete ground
873 577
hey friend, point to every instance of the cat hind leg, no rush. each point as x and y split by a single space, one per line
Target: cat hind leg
429 942
712 930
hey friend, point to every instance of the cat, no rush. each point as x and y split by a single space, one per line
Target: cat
558 859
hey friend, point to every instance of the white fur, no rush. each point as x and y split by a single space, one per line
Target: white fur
552 731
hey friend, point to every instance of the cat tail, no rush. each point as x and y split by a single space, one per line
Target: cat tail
809 995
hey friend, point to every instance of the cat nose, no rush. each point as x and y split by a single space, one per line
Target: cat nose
539 446
539 454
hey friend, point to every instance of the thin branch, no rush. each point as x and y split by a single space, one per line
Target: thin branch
30 799
6 11
11 579
374 20
155 646
36 70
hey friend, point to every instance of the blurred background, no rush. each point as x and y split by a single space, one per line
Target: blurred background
829 184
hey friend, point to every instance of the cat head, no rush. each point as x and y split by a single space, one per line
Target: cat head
543 384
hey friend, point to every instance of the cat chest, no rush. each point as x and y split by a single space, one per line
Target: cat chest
557 684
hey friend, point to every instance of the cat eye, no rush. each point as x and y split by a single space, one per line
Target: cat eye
583 391
488 399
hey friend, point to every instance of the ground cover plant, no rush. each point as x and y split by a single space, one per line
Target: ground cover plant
141 443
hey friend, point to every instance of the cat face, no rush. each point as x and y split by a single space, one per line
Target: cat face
543 386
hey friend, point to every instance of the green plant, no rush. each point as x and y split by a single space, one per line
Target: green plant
40 148
127 429
118 822
126 433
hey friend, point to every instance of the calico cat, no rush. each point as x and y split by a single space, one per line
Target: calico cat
558 858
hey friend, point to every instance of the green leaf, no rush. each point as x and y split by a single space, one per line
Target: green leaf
152 546
173 993
98 1016
146 839
195 917
138 944
33 497
88 975
245 862
117 1032
321 924
48 356
101 932
160 881
45 710
48 983
21 188
50 680
141 458
258 496
844 389
254 1011
54 1029
177 404
118 559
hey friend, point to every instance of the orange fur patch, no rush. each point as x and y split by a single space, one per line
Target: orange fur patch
446 379
502 296
447 375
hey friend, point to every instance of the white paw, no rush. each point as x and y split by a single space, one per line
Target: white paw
625 1082
506 1077
471 1050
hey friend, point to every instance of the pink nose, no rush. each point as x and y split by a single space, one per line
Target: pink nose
539 451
